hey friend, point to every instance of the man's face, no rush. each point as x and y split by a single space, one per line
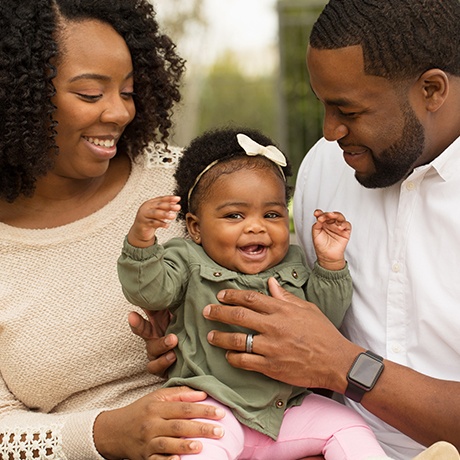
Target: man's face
398 160
372 121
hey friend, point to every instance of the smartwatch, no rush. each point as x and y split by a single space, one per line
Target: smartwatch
363 375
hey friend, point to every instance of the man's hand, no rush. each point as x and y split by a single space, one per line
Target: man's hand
295 342
159 348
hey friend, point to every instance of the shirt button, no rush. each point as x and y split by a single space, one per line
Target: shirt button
217 274
396 348
295 275
410 186
279 403
396 267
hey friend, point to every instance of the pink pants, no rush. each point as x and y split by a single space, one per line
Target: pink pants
318 426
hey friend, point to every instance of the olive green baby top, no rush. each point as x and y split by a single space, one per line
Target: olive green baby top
181 277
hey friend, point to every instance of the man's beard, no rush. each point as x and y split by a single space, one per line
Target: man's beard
396 162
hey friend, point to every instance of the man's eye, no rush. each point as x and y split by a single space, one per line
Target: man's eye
349 114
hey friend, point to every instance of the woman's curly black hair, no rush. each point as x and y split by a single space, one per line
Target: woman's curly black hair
29 54
219 144
401 39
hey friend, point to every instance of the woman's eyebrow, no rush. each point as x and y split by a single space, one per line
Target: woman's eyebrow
95 76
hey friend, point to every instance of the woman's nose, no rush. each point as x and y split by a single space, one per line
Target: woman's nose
118 110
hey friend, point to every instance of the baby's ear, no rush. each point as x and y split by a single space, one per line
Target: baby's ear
193 227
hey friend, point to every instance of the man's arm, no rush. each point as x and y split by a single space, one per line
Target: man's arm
298 345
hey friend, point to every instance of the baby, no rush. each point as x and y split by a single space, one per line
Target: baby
232 187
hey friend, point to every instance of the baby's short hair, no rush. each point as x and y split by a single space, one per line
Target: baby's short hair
219 145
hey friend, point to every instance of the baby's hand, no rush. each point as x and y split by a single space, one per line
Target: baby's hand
155 213
330 233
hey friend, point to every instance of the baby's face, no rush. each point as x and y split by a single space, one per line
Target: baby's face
243 225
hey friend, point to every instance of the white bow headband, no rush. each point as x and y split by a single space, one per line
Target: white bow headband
251 148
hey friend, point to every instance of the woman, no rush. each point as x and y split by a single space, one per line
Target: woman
86 87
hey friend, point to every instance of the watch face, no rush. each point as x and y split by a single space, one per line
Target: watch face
365 370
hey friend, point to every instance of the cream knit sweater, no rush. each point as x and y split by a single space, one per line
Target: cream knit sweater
66 350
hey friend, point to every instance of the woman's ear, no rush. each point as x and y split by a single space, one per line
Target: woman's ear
434 87
193 227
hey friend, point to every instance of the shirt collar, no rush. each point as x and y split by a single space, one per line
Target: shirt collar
447 165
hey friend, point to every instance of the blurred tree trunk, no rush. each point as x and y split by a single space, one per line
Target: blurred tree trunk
300 113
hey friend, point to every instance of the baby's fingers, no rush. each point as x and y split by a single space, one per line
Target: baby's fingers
164 209
330 217
164 203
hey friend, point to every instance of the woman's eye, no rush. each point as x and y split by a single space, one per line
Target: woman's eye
127 94
89 97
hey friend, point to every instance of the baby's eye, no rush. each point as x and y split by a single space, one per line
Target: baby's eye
234 215
272 215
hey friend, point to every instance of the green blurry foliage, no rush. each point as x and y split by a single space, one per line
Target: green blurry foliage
230 96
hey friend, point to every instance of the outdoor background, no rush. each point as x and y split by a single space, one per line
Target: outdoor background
245 66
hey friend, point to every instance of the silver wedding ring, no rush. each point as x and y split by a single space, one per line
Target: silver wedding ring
249 343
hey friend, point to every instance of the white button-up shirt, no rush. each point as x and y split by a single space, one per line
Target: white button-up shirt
404 257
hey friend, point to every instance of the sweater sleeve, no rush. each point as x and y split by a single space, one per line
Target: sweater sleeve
331 291
34 435
154 278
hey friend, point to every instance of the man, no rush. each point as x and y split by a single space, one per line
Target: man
388 75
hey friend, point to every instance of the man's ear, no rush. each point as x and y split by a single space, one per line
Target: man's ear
193 227
433 86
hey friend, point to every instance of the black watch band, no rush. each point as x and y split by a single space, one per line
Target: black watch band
363 375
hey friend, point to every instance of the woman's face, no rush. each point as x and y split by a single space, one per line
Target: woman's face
94 98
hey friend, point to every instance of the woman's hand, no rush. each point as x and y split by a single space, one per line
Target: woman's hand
155 426
159 347
295 342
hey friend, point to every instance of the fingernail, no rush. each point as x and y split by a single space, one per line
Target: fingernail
168 341
220 412
194 445
221 295
218 431
206 310
171 356
211 336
